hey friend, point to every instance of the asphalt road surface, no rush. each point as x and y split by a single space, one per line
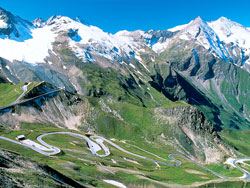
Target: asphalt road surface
97 142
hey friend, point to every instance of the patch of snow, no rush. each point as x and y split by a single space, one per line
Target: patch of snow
230 31
131 65
141 50
22 30
144 65
9 80
54 53
184 37
234 51
7 67
33 50
115 183
206 36
39 22
177 28
123 33
159 47
3 24
105 44
138 57
139 72
92 34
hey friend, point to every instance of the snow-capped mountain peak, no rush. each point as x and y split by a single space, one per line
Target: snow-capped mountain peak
86 39
81 20
59 19
177 28
181 27
33 41
230 31
22 41
39 22
198 29
190 30
13 27
201 33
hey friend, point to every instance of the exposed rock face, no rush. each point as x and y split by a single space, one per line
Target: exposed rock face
140 68
216 87
196 63
120 86
183 127
194 135
13 27
61 109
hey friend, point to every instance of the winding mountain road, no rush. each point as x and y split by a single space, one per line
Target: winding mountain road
96 142
234 162
91 144
171 156
24 88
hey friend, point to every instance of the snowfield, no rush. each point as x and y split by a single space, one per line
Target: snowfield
229 31
3 24
33 50
31 43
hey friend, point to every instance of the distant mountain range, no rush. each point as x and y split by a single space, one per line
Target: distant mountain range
185 89
204 63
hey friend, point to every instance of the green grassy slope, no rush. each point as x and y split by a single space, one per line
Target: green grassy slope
106 82
237 139
77 162
9 93
137 128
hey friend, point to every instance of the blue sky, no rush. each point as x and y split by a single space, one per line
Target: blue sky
115 15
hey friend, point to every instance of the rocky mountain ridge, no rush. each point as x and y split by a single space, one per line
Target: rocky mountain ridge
178 125
177 89
196 53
